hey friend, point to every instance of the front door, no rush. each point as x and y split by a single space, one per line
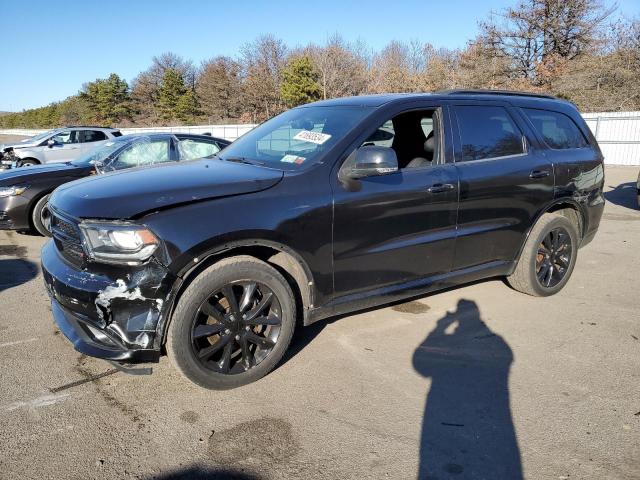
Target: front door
66 147
398 227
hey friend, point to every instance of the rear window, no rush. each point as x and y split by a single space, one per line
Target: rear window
558 130
88 136
487 132
116 133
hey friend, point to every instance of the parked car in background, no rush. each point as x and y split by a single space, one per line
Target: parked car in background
24 192
59 145
325 209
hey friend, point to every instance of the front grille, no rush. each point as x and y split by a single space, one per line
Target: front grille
66 234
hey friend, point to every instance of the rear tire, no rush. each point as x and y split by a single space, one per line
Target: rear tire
40 216
548 257
233 324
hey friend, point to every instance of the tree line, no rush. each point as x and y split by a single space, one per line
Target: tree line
574 49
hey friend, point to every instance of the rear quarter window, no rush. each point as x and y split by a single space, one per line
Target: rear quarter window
558 130
117 133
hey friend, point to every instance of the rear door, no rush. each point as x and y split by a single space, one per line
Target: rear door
505 180
394 228
90 139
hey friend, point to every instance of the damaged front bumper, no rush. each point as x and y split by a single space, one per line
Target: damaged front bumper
109 312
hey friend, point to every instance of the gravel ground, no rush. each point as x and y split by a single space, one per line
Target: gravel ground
475 382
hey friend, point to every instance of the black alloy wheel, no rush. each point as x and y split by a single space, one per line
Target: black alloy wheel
236 327
232 324
554 257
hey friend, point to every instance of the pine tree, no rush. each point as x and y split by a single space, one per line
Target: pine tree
299 82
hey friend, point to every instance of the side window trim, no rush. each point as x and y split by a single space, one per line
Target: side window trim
458 158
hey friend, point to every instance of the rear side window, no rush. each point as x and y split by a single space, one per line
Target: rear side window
117 133
487 132
558 130
190 149
88 136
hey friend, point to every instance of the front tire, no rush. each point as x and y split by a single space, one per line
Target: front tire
40 216
233 324
548 257
28 162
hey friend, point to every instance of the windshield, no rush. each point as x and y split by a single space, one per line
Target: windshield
295 138
40 136
99 154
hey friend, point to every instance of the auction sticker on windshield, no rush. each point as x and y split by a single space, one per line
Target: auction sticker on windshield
293 159
313 137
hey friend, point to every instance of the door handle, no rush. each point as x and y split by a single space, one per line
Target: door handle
441 188
539 173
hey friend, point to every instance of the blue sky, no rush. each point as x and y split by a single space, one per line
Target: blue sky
49 49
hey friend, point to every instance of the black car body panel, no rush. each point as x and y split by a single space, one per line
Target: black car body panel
41 180
145 189
346 245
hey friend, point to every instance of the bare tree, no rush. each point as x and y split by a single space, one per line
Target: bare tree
342 68
262 63
544 32
218 89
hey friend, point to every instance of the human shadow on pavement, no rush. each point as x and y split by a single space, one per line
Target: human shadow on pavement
625 195
16 271
197 472
467 429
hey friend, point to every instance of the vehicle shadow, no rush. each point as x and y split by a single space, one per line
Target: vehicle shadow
16 271
204 473
625 195
467 429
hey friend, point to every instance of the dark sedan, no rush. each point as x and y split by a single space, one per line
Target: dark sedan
24 192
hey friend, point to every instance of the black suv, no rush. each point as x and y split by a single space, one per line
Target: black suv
325 209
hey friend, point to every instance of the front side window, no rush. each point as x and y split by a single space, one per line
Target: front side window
557 129
488 132
295 138
191 149
87 136
140 153
65 137
414 136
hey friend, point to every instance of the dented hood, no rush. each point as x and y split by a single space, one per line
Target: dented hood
129 193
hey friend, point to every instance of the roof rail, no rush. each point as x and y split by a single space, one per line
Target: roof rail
88 126
512 93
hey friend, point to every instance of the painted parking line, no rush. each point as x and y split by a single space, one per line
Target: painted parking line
17 342
43 401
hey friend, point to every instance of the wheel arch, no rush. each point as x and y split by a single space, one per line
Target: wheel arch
563 206
285 259
34 159
34 201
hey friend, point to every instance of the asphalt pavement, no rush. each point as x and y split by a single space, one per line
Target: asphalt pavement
475 382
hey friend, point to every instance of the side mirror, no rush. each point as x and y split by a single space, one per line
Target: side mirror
51 142
372 161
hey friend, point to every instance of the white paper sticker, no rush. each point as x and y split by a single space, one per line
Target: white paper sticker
293 159
313 137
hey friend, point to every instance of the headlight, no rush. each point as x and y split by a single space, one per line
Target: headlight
118 242
11 191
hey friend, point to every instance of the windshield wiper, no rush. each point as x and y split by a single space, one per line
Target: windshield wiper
242 160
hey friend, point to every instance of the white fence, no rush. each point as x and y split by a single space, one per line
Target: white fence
618 134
